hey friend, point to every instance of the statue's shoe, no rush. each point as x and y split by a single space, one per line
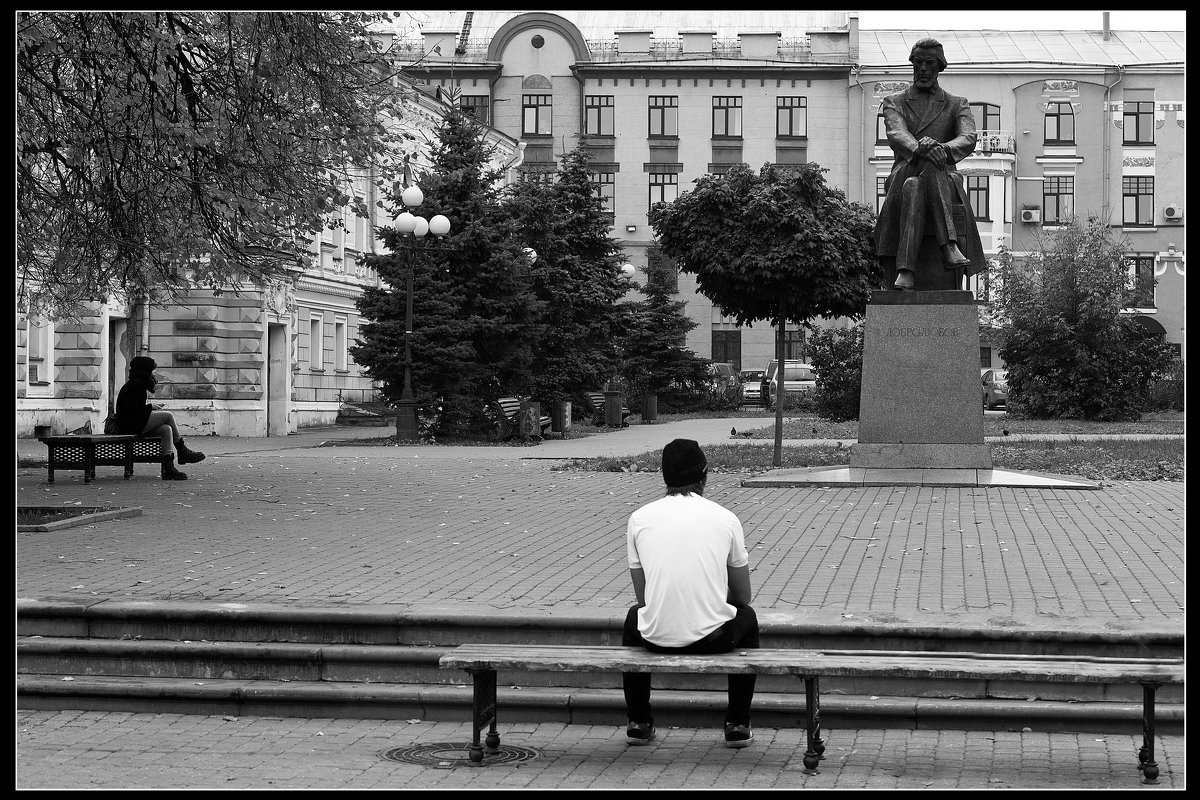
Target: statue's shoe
904 280
954 256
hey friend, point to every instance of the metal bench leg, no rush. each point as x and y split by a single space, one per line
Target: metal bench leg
89 462
1146 754
483 713
812 707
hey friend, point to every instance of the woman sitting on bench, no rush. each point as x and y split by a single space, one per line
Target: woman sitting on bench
138 417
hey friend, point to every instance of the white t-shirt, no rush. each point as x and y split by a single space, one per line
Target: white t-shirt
684 544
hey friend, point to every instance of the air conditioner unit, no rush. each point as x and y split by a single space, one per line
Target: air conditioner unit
1031 215
1173 212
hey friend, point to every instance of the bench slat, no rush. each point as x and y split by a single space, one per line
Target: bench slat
557 658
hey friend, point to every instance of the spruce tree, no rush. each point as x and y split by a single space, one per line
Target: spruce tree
576 277
472 339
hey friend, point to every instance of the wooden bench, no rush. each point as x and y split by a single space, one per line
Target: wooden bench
596 400
482 661
506 414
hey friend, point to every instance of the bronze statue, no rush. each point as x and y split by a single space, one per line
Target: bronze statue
929 130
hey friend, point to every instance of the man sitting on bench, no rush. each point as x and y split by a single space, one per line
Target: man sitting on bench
691 574
138 417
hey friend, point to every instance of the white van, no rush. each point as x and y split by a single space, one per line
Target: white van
798 377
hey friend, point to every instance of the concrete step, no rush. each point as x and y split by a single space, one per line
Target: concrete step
381 661
454 625
407 664
316 699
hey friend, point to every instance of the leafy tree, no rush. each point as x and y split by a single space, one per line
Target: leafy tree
837 356
474 315
576 276
781 246
1069 350
157 151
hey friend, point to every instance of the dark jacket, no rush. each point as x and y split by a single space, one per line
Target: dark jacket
948 119
133 409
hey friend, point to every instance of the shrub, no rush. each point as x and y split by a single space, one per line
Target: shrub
1166 391
836 355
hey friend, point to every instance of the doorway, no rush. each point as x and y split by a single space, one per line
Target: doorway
275 382
117 361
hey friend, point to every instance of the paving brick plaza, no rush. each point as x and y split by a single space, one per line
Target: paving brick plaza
284 521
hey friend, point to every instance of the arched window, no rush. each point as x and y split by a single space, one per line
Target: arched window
1060 123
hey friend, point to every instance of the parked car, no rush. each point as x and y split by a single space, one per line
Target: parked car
995 387
798 377
752 385
724 377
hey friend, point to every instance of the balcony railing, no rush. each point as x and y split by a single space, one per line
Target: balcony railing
994 142
795 49
788 50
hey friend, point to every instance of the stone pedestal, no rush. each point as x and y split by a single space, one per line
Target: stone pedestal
920 404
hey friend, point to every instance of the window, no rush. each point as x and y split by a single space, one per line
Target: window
987 116
793 346
664 187
339 344
661 271
727 348
476 106
727 116
664 116
791 116
977 195
1060 124
880 130
605 183
1137 201
1141 282
880 192
598 115
314 342
1058 198
535 113
1138 123
985 357
40 356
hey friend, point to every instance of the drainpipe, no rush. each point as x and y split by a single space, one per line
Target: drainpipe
856 70
1108 134
145 331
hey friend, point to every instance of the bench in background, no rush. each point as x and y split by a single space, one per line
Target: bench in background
86 451
507 413
481 661
596 401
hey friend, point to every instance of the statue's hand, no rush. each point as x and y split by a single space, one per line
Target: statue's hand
934 151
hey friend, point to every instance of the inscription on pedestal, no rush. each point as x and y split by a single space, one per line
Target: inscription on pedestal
921 399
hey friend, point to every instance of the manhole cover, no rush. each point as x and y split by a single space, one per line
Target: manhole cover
455 754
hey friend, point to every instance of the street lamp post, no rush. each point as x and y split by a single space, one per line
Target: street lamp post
409 225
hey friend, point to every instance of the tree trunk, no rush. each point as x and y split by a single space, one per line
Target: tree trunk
779 378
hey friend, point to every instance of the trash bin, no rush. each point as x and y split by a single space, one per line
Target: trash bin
560 417
649 408
612 409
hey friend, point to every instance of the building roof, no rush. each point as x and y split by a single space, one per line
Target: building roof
601 26
1126 48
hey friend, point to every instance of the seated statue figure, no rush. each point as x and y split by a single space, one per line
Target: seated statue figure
929 131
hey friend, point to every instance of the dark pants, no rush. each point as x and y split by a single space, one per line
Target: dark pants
739 632
927 200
